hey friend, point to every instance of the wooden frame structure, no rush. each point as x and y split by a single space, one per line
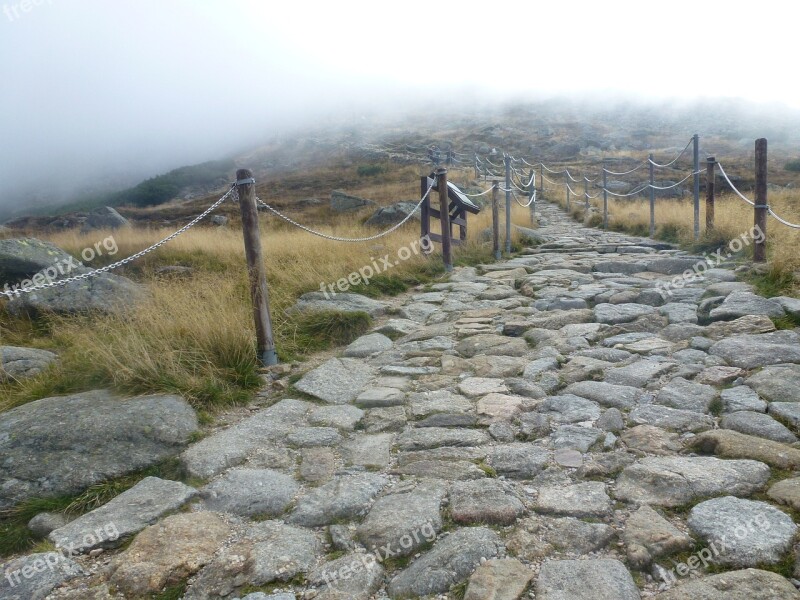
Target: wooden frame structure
459 206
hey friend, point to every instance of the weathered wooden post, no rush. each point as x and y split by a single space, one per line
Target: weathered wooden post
476 167
696 163
444 218
495 222
760 217
652 196
541 177
425 212
605 198
585 192
532 199
507 162
256 270
711 163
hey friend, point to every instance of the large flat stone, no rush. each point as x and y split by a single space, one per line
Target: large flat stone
747 584
758 424
606 394
747 533
123 516
686 395
337 381
266 552
451 561
588 499
250 492
434 437
498 579
671 418
638 374
752 351
742 303
612 314
607 579
169 551
733 444
345 498
33 577
778 383
484 501
349 303
62 445
673 481
231 447
404 522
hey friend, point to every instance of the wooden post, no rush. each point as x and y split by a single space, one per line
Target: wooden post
532 199
605 199
425 210
507 161
586 192
760 217
711 163
696 163
652 196
444 218
257 273
566 185
541 178
476 167
495 222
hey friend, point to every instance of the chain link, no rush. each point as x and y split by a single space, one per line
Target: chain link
341 239
124 261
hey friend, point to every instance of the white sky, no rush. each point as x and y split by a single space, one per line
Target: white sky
89 84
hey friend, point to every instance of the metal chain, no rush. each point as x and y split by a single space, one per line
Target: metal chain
341 239
124 261
674 160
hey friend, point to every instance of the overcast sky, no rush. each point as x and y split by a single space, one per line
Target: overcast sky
140 85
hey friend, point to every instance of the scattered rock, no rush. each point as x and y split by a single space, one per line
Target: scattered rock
19 363
250 492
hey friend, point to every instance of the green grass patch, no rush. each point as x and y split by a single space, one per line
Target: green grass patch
175 592
668 232
716 406
314 331
371 170
776 281
15 537
787 322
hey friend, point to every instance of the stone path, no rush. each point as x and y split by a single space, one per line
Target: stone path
550 426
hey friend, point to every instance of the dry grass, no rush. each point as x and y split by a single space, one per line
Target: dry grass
194 335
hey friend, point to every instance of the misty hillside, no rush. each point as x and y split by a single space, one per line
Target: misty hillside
555 129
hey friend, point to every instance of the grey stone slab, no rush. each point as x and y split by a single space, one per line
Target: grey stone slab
337 381
130 512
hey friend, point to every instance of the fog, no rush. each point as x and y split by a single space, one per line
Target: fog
97 94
